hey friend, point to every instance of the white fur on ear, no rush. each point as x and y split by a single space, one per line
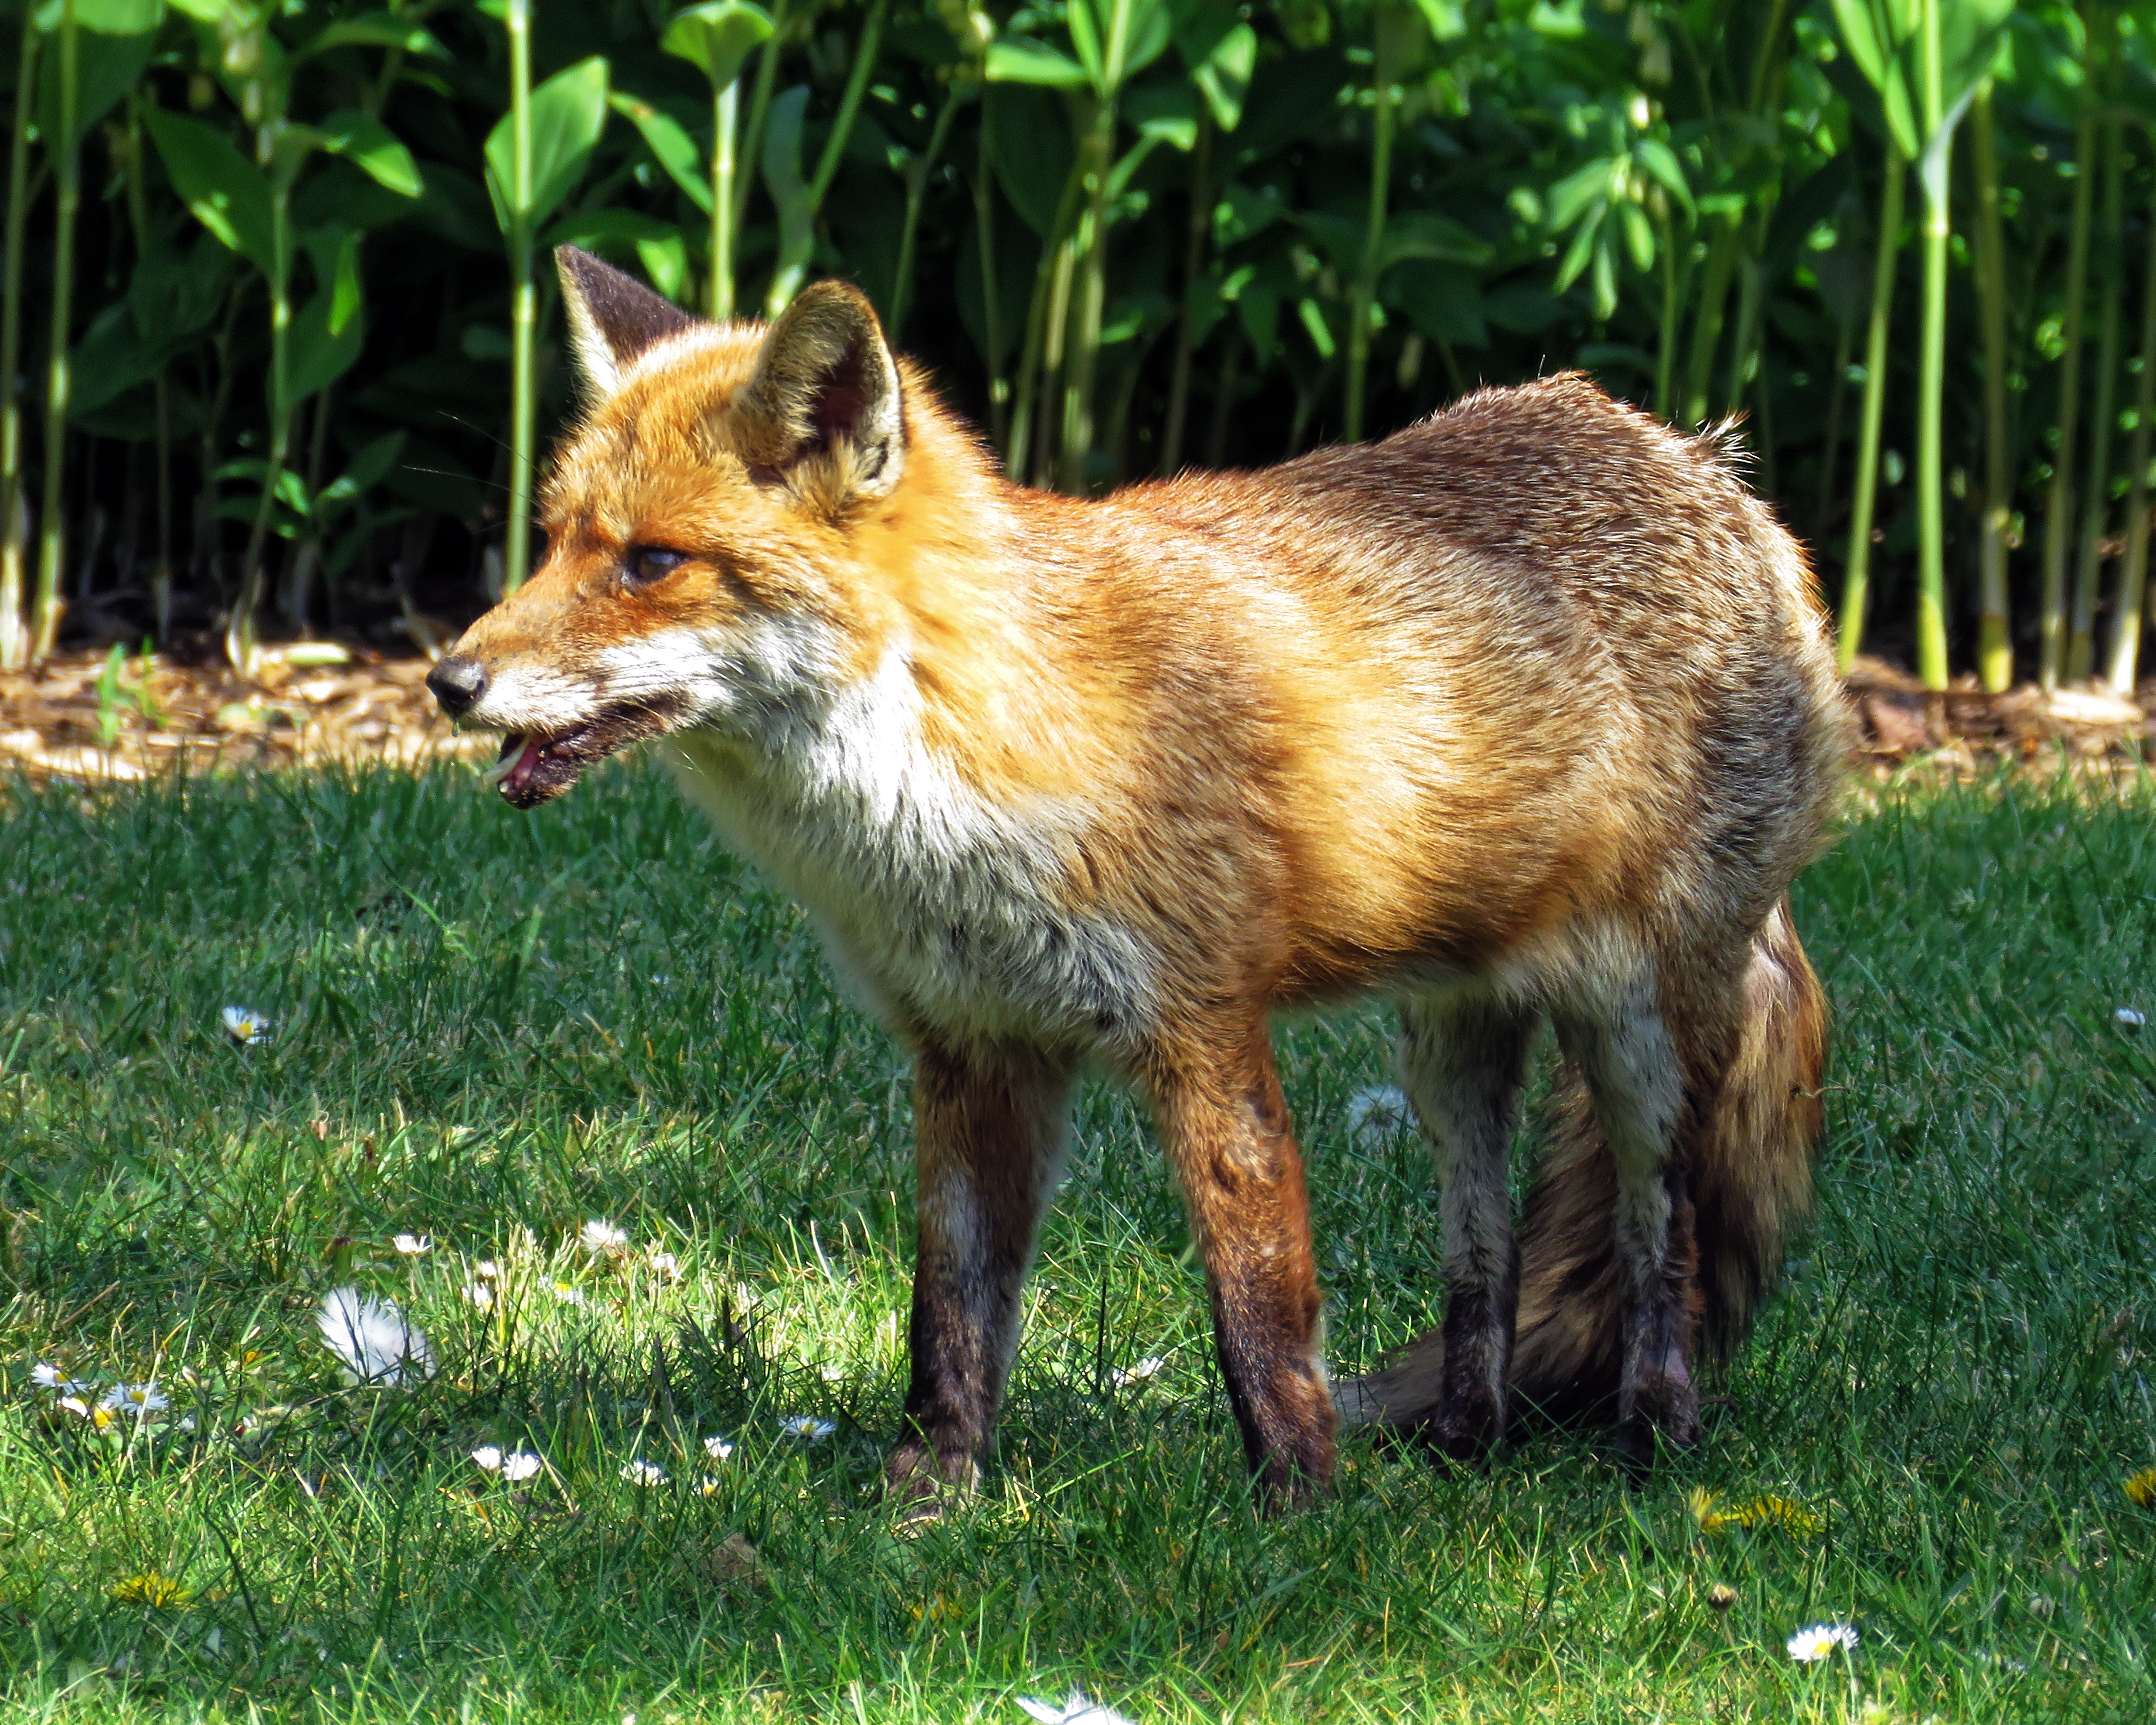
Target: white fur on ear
612 317
825 383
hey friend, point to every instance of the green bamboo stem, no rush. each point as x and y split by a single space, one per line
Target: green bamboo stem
1707 331
2096 501
1089 250
1363 301
916 194
1665 347
524 303
724 104
14 635
1040 361
242 639
849 104
2058 514
2133 588
1856 583
759 112
1197 231
66 152
1931 397
984 224
1995 644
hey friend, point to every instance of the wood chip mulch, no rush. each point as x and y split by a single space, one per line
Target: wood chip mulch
68 719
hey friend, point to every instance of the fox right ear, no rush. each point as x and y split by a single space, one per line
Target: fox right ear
612 317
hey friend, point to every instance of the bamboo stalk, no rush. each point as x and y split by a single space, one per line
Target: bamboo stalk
1090 253
46 607
1931 395
1040 357
1707 331
1994 646
916 194
984 224
14 635
1363 302
524 303
2059 506
1856 587
2096 501
1198 228
724 103
2133 588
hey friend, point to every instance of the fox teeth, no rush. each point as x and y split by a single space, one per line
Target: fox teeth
512 751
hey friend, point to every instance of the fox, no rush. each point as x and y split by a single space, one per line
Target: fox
1525 713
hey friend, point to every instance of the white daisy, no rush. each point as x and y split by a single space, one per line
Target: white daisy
644 1473
1136 1373
718 1447
520 1465
50 1377
377 1344
807 1427
1076 1711
568 1293
139 1399
599 1236
2132 1019
486 1269
666 1264
411 1246
480 1295
244 1025
1821 1640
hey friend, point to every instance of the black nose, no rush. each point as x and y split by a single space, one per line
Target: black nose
458 683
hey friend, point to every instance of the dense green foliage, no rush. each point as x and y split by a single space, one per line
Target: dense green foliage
487 1023
296 261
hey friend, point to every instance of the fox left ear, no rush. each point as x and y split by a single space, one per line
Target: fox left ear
825 383
612 317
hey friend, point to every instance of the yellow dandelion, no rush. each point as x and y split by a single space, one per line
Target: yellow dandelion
2141 1489
160 1592
937 1610
1704 1505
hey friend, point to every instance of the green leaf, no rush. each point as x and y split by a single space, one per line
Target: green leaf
106 68
227 193
670 143
1445 19
373 29
1224 79
368 467
716 37
365 141
1639 235
206 12
1030 148
1166 112
569 113
328 331
1444 299
1660 161
1313 320
1576 192
1020 60
1581 248
1424 233
109 18
789 193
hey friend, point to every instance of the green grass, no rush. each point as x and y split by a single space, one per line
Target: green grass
492 1027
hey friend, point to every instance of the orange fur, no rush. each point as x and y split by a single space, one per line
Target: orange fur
1527 705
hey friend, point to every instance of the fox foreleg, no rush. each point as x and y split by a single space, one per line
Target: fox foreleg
1225 1126
1462 1061
1636 1075
989 1135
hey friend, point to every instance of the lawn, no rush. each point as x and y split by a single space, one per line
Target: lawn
490 1029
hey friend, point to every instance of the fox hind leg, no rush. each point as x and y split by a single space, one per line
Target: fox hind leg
1462 1060
1636 1075
989 1133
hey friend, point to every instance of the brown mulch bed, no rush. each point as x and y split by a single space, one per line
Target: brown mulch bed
59 722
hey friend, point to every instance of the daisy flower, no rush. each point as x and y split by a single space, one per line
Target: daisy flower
666 1264
411 1246
599 1236
246 1026
644 1473
1821 1640
515 1465
807 1427
480 1295
718 1447
140 1399
486 1269
568 1293
2132 1019
49 1376
1075 1710
1136 1373
377 1344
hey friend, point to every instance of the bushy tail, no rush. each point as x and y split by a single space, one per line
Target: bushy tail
1752 1181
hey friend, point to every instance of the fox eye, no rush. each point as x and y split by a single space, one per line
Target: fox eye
647 563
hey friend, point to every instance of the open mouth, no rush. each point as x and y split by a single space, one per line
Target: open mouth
534 767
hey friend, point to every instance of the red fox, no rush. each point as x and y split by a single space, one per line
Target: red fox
1524 710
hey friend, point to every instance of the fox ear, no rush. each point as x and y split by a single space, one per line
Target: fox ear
612 317
825 383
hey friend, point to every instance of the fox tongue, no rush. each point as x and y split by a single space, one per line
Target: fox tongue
520 758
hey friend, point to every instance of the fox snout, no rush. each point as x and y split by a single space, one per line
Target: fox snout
456 685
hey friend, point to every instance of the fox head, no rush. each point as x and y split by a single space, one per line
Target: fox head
703 528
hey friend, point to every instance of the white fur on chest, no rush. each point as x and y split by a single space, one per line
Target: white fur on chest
946 907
